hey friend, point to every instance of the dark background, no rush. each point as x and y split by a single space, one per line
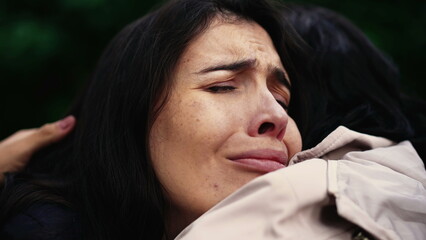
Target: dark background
48 48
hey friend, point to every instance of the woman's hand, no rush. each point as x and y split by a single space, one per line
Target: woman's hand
16 150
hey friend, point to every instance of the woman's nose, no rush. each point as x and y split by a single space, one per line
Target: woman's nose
269 119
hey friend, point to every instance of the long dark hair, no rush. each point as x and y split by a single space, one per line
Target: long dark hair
360 83
103 170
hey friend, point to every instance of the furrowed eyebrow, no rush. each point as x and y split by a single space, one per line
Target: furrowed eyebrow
234 67
281 77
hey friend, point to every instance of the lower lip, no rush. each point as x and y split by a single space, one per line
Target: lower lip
261 165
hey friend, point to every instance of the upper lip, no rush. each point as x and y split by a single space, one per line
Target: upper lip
263 154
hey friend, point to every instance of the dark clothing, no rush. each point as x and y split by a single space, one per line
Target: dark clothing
43 222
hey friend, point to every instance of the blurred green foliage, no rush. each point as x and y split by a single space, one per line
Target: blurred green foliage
48 48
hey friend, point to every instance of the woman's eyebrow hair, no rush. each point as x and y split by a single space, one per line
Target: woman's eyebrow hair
281 77
245 64
234 66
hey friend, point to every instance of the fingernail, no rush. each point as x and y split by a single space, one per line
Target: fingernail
66 122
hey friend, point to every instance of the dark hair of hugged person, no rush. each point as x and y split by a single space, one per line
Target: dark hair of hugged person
360 83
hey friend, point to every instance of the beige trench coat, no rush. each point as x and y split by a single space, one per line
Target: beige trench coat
350 181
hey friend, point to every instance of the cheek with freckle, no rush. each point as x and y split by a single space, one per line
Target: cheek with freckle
293 138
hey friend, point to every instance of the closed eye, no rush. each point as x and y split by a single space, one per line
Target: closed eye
283 105
221 89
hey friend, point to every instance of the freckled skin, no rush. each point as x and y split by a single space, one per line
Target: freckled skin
198 129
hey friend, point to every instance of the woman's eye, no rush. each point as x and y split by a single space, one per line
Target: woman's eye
283 105
221 89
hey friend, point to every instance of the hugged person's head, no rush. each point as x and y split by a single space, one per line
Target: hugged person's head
360 83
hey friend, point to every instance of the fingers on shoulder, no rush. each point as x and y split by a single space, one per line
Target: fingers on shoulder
52 132
29 140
